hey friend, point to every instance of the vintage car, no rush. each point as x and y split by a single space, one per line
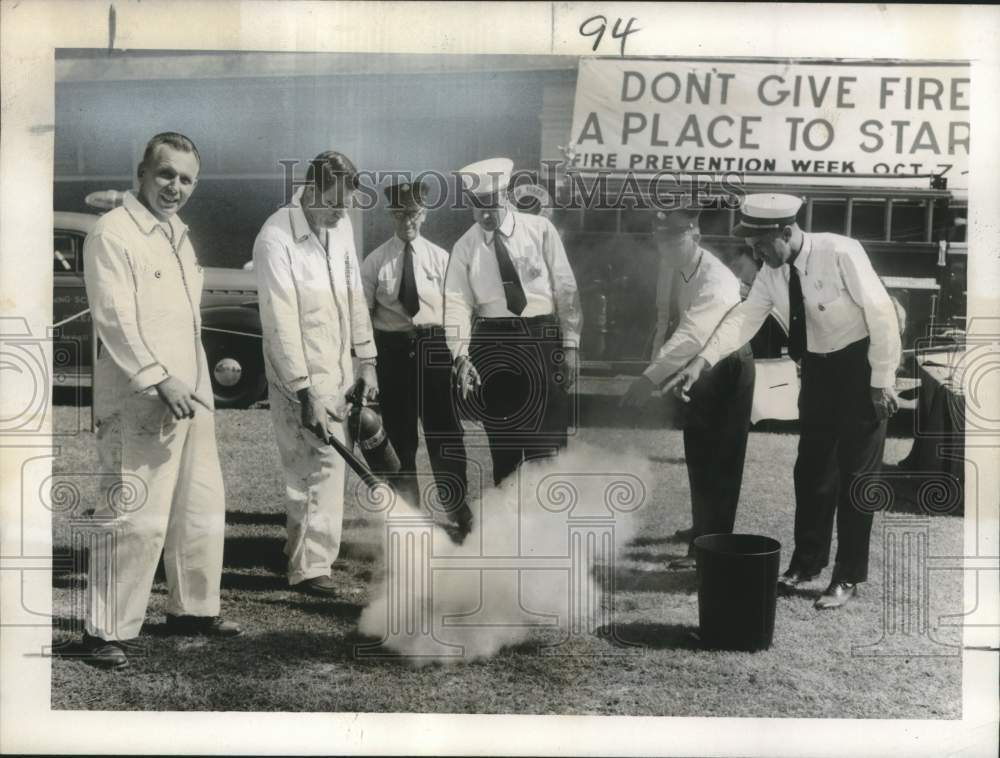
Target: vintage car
230 321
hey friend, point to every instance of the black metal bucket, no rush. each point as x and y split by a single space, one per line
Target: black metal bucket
737 590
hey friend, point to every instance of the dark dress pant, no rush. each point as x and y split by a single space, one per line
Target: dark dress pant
840 454
522 405
716 424
414 377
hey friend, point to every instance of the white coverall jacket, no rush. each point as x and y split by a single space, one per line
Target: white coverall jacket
161 483
312 312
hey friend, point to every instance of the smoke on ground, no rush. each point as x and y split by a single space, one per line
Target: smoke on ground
539 558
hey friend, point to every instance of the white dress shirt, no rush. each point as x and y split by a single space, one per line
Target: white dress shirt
844 300
144 293
312 304
473 285
705 292
382 272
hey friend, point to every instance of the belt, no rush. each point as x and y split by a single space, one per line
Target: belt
514 323
861 344
417 333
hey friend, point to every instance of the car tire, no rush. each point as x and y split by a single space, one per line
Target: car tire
236 367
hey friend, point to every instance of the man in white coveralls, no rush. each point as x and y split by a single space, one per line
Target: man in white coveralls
161 479
313 312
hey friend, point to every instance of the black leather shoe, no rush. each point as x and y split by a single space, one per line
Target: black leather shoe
684 534
793 577
107 654
210 626
319 586
836 595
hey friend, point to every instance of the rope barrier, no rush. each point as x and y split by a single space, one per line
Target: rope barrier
231 331
71 318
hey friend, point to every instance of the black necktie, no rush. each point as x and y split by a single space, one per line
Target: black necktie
512 289
797 311
408 284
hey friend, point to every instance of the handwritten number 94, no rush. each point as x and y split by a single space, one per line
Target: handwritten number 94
595 26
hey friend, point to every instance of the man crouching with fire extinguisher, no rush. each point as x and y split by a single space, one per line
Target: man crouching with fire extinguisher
313 312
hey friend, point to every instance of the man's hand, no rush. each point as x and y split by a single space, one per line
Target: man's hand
179 398
467 379
886 402
570 368
683 380
365 387
316 415
638 393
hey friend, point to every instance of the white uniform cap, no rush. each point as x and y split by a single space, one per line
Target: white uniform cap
764 212
487 177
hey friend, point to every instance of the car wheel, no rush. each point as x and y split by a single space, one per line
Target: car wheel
237 370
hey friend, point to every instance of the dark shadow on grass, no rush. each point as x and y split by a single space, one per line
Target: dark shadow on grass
647 541
253 552
68 581
255 518
341 609
680 581
67 563
801 592
277 518
254 582
773 426
648 556
918 492
655 636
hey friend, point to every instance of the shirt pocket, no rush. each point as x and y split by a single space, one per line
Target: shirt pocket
388 285
530 267
313 298
433 280
832 306
159 285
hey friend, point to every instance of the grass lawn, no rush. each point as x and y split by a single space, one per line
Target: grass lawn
297 653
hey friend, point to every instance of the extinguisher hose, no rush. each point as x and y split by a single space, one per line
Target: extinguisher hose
356 464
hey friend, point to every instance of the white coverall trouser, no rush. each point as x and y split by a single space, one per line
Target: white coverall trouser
314 489
161 489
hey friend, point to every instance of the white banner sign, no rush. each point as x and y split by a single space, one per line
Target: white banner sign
776 122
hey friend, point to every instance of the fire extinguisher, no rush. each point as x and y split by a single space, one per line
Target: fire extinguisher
365 427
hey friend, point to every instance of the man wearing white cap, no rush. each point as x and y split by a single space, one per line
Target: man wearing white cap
513 319
843 328
313 314
694 292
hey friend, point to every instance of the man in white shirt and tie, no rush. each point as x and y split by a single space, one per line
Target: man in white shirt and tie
513 320
843 328
695 290
404 287
313 314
